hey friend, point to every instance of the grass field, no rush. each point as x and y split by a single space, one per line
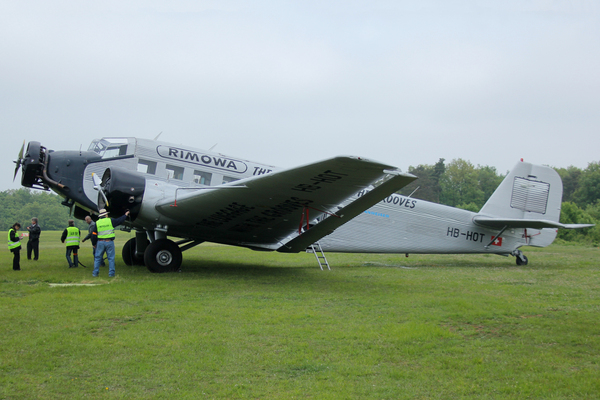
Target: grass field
242 324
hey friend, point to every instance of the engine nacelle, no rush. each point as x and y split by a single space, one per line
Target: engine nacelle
33 164
124 190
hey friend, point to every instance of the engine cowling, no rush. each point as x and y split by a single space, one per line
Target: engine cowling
124 190
33 164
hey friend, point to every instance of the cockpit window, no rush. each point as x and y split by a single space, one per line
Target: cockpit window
97 146
106 149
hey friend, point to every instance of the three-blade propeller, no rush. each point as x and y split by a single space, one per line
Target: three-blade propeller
19 161
99 187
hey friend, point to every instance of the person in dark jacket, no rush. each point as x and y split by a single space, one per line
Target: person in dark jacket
14 245
70 237
33 244
92 236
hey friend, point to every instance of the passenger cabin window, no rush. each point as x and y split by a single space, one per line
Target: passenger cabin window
115 151
174 172
146 167
202 178
227 179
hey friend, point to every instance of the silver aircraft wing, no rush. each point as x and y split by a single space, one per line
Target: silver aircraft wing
492 222
264 212
346 213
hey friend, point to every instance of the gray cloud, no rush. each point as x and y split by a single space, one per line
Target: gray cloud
285 84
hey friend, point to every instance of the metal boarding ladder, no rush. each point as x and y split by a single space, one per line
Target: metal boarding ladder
321 259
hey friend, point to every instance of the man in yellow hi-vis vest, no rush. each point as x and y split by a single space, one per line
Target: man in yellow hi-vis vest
70 237
105 228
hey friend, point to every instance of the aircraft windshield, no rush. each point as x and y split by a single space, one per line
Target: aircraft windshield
108 149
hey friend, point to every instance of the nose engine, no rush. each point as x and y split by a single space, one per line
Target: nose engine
61 171
32 161
121 190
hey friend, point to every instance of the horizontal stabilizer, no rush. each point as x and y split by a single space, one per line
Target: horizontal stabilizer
500 223
345 214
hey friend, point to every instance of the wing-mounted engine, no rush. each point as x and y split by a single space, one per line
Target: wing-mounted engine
121 190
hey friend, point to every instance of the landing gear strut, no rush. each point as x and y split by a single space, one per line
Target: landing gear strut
134 248
159 255
129 253
520 257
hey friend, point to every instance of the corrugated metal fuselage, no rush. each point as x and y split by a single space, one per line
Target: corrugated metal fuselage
395 225
400 224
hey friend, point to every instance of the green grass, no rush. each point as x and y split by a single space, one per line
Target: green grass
243 324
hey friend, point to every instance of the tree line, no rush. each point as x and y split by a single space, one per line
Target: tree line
457 183
23 204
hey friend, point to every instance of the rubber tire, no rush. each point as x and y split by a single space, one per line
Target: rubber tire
522 262
163 255
128 253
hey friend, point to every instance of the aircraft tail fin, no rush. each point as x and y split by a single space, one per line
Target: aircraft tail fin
530 197
528 192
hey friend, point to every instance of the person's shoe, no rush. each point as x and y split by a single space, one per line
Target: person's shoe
94 275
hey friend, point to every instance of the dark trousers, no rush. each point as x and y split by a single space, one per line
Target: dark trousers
16 259
75 262
35 246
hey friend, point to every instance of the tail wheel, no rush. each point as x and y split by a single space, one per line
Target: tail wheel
128 253
163 255
522 260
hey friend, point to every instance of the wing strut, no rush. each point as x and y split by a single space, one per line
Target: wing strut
304 217
345 214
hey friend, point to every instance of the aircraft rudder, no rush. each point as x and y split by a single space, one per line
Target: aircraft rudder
528 191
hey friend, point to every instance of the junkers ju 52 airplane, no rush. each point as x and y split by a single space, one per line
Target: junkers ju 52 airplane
197 195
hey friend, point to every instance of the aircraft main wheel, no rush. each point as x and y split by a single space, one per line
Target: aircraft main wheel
163 255
128 253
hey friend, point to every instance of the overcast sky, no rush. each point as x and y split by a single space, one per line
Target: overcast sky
287 83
